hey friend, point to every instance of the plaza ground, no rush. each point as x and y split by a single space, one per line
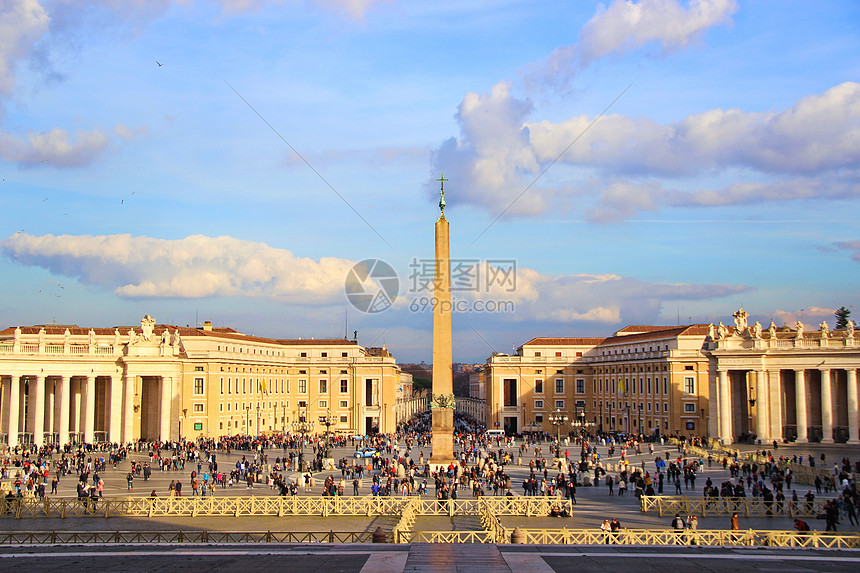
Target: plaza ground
594 504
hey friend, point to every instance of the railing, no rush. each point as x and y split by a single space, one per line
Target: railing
403 530
173 537
700 537
748 507
749 538
272 506
493 525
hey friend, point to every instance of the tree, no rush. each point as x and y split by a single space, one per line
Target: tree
842 317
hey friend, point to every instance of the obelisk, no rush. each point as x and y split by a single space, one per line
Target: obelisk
442 402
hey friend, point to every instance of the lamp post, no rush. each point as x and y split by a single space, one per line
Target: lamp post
600 425
258 418
557 418
628 418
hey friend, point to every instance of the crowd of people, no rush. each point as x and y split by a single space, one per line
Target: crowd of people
396 465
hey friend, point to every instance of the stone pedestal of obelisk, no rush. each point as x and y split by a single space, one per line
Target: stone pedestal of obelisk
443 376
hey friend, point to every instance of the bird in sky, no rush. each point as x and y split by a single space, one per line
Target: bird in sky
159 63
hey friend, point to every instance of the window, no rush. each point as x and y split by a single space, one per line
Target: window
665 385
324 355
689 385
323 403
343 418
303 404
580 386
344 404
688 367
558 354
539 386
344 355
198 426
690 408
303 386
538 404
539 419
559 404
222 385
510 391
304 354
559 386
344 386
649 406
198 369
537 353
665 406
198 386
198 407
323 386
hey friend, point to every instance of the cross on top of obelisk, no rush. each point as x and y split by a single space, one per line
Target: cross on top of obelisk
442 193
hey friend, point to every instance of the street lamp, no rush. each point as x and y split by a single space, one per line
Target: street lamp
557 418
328 423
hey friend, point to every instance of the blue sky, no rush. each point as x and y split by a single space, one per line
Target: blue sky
725 174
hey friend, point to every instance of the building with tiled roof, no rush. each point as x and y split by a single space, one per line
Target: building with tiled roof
727 382
64 383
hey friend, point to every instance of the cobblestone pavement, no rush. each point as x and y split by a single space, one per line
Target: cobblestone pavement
593 503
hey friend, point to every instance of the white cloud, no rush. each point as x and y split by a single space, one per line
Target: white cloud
581 298
625 26
199 266
811 317
492 153
22 24
54 148
820 132
499 153
193 267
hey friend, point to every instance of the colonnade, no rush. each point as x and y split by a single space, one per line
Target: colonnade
39 409
803 403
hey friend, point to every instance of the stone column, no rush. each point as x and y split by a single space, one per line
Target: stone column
63 430
50 409
89 418
762 416
37 403
800 401
725 407
128 410
14 410
774 403
77 389
114 424
166 399
826 407
853 408
4 405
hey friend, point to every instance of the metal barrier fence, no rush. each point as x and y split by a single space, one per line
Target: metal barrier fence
746 506
173 537
272 506
749 538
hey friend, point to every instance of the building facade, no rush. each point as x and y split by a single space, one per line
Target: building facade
783 383
63 384
732 383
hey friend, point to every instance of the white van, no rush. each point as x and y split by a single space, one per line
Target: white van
494 434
